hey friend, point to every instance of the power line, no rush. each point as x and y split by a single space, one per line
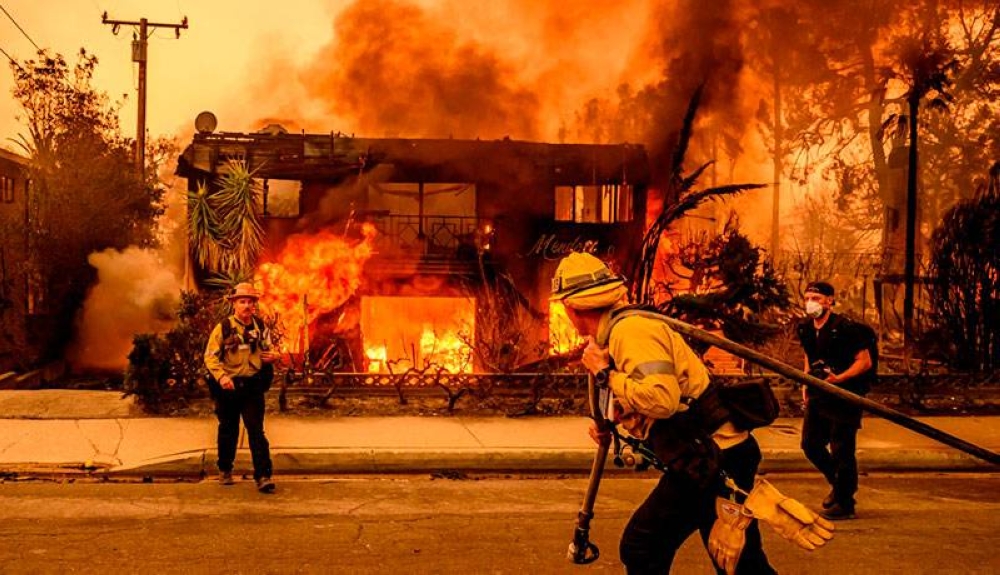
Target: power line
12 60
19 28
139 45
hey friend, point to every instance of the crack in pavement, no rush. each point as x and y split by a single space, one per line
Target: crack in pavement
97 450
465 426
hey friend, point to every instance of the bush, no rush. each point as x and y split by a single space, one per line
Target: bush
965 293
166 371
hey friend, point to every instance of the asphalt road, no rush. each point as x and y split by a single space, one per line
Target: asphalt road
907 524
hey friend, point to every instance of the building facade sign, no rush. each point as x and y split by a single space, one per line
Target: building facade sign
550 246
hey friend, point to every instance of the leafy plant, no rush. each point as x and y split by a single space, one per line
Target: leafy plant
224 225
166 371
203 229
729 286
965 270
86 195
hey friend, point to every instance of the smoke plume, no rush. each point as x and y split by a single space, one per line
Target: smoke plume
136 292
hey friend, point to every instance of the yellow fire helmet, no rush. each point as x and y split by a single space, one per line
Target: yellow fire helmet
582 281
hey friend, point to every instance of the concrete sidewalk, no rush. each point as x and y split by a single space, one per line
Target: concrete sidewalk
185 446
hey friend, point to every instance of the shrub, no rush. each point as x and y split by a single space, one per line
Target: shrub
166 371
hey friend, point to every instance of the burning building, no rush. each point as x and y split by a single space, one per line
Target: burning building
394 254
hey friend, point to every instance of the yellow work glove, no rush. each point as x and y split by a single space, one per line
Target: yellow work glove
728 535
788 517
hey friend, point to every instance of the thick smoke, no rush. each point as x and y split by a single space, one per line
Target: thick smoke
136 292
396 71
586 71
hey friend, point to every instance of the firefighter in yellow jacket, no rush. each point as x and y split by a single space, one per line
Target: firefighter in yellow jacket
662 396
240 364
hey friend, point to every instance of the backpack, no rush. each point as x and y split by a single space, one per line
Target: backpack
750 403
872 339
266 374
871 344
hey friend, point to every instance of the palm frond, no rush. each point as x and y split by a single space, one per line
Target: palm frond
241 231
203 229
642 284
686 183
684 138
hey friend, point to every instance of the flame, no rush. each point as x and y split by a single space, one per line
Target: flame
421 333
563 337
447 351
378 359
325 269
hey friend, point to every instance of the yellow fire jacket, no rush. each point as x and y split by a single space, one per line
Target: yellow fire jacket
241 357
654 372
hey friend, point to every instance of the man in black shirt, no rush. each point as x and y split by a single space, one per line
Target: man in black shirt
839 351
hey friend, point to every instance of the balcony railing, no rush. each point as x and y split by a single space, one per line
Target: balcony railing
437 236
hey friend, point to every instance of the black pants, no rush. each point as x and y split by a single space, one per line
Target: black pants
247 401
678 506
839 463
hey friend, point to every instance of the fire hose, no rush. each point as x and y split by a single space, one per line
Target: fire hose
583 551
806 379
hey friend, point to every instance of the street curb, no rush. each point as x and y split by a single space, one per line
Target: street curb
882 460
335 461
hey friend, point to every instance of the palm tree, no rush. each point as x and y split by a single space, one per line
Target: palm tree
926 68
224 227
681 187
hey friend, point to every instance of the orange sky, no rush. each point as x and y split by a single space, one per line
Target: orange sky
245 60
207 68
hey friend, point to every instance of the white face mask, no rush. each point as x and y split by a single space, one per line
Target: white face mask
814 309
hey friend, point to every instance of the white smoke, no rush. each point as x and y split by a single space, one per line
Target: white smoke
136 292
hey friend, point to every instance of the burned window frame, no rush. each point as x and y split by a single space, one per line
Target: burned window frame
294 199
609 204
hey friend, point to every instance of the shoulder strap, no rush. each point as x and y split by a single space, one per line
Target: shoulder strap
227 330
630 311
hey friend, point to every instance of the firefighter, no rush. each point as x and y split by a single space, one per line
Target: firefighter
663 396
240 362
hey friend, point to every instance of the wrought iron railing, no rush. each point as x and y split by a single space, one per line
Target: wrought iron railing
445 236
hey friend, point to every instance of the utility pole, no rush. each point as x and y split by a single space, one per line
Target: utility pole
139 44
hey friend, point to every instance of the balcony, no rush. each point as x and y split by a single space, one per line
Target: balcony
439 244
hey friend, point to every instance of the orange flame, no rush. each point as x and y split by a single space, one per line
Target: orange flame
563 337
435 334
447 351
324 268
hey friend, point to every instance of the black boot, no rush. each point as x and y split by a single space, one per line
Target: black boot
837 512
830 500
